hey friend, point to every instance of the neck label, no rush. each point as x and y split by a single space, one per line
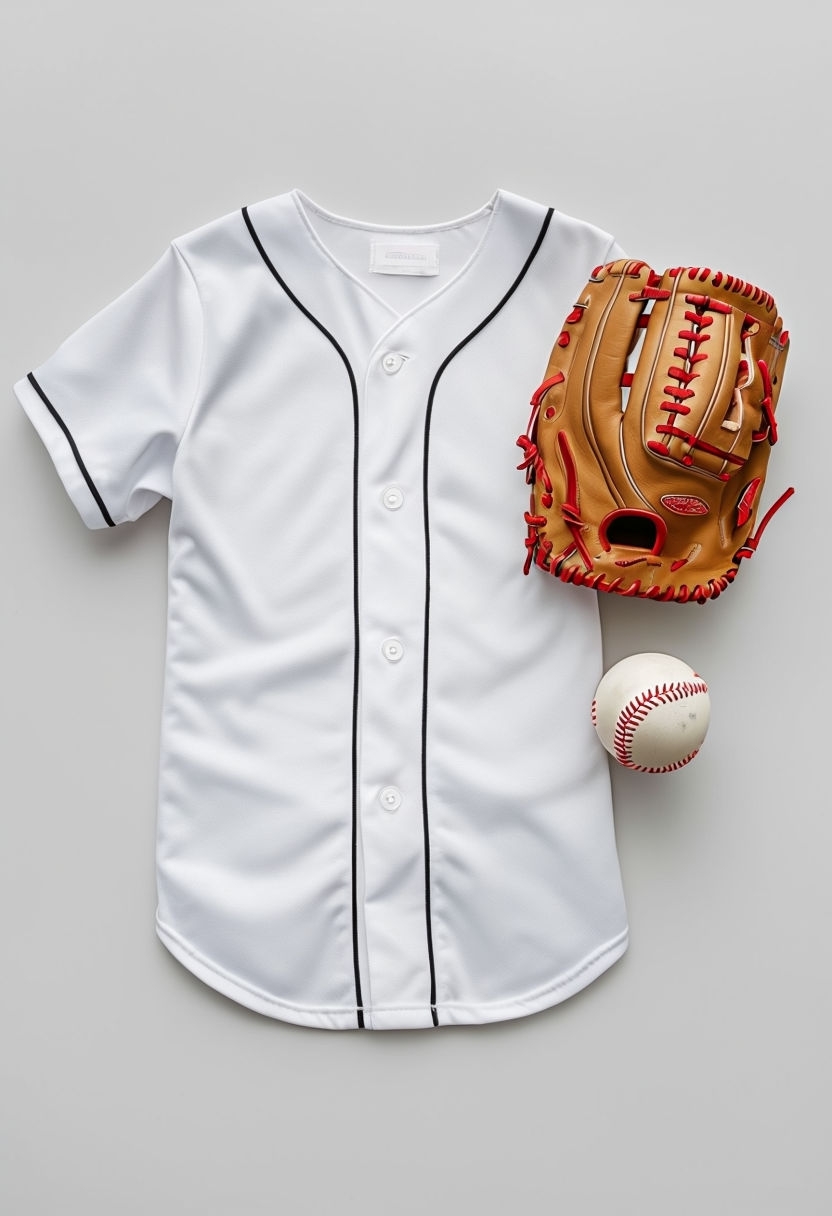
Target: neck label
404 257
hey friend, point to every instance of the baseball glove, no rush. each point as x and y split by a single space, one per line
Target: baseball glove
649 438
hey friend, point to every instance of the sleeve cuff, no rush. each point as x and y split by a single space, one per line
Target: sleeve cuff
61 446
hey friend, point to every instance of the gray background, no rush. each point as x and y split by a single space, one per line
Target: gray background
694 1076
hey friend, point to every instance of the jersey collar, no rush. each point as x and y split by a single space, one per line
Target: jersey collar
355 314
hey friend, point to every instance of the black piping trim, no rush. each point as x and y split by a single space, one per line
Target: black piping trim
432 394
354 391
108 519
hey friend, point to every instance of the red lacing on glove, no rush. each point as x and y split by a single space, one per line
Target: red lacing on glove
679 395
726 282
632 270
701 592
745 503
639 561
694 442
570 507
708 304
769 431
541 391
692 355
532 539
750 546
535 467
533 462
649 293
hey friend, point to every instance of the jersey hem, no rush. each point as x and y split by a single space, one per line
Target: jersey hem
404 1017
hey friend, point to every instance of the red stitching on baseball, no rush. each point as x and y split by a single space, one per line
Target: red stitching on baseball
634 713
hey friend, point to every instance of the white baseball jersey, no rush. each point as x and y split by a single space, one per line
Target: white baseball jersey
381 800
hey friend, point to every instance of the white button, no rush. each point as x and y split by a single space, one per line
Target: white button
391 363
390 798
392 649
392 498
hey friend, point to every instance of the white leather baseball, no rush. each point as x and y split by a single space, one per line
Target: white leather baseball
651 712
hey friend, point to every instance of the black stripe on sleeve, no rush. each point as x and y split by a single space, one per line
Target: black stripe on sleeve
354 391
84 471
432 394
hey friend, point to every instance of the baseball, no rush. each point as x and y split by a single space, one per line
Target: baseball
651 712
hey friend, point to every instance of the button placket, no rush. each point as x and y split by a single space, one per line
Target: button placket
390 707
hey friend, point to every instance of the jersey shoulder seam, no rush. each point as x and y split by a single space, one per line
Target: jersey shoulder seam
201 363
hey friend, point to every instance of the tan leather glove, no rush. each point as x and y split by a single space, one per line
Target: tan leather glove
650 435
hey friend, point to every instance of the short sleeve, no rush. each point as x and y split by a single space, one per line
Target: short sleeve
113 400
